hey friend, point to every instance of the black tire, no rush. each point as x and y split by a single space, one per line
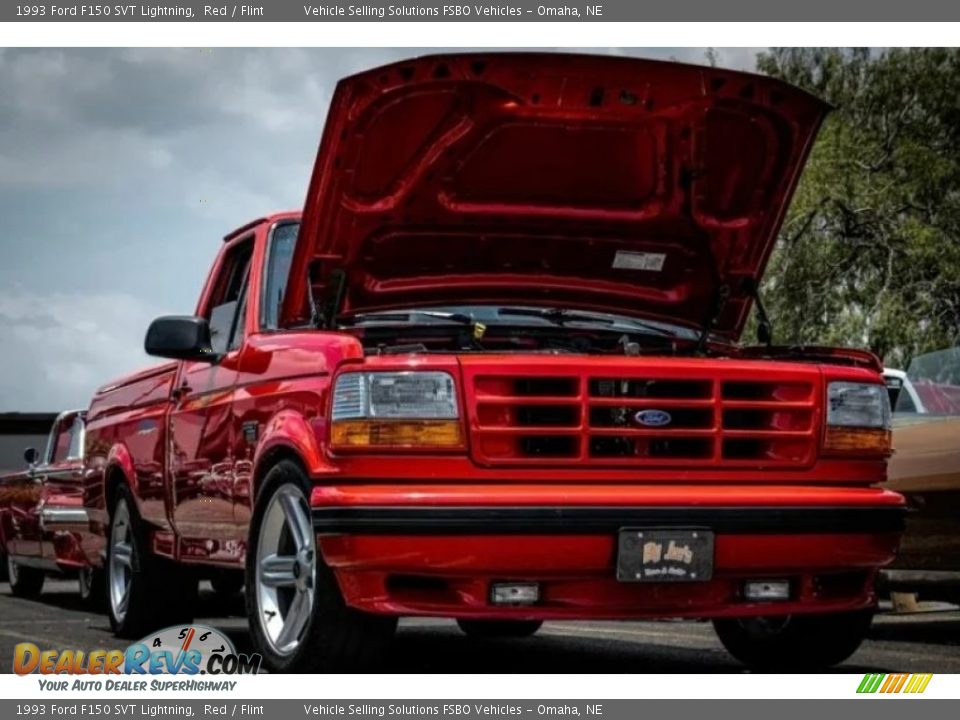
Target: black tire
335 637
227 582
499 628
159 593
794 643
25 582
92 583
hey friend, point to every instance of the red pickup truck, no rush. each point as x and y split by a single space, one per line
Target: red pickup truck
493 374
44 527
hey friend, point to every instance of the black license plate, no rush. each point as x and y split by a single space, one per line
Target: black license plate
664 555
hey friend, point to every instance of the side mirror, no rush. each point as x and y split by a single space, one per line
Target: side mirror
31 456
180 337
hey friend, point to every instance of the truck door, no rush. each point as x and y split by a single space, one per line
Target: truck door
255 399
200 462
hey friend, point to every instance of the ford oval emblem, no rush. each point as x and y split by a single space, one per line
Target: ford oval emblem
653 418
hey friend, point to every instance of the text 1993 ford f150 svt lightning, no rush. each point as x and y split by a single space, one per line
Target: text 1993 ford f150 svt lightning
492 374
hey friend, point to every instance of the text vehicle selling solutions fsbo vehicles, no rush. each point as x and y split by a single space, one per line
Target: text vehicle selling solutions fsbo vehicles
493 374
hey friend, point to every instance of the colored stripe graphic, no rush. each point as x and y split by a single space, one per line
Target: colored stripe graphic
912 683
901 682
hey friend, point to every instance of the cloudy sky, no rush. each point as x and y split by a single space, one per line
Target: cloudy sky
120 170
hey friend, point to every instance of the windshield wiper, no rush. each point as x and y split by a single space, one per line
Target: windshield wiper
557 316
458 318
561 316
477 329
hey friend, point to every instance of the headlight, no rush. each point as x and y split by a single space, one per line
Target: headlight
858 418
863 405
410 409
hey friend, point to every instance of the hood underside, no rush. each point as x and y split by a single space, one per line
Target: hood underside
628 186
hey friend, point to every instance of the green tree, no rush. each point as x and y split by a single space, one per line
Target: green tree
869 255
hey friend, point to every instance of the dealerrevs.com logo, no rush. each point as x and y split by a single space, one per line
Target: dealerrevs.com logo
177 650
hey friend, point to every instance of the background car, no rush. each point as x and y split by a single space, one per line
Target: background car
926 469
44 527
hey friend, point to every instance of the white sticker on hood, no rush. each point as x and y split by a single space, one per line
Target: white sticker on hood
625 260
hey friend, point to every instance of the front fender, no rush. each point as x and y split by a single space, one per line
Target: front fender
98 473
119 460
290 432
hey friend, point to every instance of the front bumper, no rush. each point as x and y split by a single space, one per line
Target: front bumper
436 550
565 520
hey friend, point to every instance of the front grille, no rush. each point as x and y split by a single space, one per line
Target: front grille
650 418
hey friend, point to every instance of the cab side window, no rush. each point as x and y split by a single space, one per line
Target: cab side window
904 403
61 445
67 443
228 303
76 438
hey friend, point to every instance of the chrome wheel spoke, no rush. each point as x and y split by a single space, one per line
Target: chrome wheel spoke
295 620
296 521
278 571
123 601
123 554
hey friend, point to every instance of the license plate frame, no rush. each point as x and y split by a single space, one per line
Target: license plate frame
665 555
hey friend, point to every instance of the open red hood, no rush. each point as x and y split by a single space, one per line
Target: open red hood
628 186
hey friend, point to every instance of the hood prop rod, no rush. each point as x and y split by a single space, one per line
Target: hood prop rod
316 319
716 309
324 317
764 326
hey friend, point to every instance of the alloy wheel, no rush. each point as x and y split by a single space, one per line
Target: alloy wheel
121 561
286 570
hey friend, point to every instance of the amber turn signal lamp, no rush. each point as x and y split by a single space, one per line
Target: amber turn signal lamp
857 441
426 434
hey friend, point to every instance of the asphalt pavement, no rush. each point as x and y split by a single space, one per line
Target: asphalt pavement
921 642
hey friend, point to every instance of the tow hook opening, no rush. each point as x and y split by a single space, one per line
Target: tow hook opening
767 590
506 593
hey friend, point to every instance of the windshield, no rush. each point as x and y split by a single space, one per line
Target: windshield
540 317
932 385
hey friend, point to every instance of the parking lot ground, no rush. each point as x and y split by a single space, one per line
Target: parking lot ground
924 642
